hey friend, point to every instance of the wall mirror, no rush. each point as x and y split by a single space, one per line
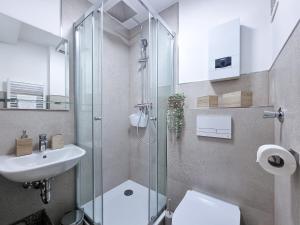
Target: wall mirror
34 67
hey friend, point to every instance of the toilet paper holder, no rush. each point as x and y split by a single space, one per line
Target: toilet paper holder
279 115
277 161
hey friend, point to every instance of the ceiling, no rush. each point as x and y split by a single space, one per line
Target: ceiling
158 5
16 30
142 15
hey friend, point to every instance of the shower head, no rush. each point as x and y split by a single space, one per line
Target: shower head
143 60
144 43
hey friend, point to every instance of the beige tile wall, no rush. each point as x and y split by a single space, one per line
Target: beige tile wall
255 82
115 142
18 202
285 92
226 169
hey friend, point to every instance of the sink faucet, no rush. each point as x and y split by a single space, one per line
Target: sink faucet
43 142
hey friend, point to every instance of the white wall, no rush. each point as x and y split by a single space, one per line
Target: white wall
287 16
23 62
57 76
44 14
197 17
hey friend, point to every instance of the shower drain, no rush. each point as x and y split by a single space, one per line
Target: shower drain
128 192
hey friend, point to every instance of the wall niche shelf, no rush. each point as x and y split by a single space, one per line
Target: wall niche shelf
220 107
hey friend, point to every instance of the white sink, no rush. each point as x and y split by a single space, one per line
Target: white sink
40 165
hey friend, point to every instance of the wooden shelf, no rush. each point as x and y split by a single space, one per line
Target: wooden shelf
215 108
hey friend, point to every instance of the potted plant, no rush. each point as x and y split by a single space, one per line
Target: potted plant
176 113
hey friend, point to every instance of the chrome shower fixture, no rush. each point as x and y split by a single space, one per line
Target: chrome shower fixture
144 45
144 107
144 59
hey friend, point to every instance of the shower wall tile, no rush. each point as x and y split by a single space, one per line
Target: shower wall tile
226 169
115 142
285 93
139 171
139 146
139 143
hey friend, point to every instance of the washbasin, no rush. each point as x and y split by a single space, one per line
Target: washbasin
40 165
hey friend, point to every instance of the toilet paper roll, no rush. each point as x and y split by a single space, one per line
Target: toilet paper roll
276 160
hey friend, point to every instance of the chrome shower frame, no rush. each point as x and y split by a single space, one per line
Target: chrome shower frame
144 106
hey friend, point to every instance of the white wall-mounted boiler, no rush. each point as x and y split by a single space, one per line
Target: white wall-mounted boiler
224 51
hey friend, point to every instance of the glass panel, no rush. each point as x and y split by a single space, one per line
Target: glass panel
134 78
97 114
153 122
161 89
84 114
125 147
164 90
89 115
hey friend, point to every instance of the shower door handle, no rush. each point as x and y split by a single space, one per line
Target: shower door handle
154 120
97 118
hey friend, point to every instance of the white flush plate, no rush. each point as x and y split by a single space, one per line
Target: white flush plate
218 126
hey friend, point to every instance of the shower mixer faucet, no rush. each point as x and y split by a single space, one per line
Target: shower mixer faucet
144 107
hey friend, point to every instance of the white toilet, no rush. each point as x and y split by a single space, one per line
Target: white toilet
199 209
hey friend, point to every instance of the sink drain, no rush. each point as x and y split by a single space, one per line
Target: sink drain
128 192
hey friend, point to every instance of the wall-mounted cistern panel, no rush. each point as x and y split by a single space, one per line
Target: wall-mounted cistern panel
214 126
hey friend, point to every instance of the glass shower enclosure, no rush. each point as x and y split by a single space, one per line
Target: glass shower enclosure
124 75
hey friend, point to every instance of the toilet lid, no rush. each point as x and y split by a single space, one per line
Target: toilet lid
199 209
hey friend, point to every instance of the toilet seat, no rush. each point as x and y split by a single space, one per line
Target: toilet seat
199 209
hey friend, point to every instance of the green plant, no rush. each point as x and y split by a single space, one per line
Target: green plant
176 113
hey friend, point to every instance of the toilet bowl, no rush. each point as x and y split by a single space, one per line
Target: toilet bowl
199 209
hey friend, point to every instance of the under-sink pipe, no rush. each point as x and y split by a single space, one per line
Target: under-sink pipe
45 188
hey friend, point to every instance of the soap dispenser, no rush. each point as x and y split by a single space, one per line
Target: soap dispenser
23 145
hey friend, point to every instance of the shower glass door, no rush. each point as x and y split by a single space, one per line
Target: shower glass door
162 86
89 114
122 178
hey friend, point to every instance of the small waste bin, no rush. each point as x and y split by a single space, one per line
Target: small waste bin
38 218
74 217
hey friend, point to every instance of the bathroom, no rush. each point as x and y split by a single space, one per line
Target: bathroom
135 112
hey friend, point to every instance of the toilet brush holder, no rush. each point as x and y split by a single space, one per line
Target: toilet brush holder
168 217
169 214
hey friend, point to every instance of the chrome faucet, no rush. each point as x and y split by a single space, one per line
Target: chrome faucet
43 142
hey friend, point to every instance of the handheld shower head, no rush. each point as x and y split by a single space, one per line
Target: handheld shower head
144 43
